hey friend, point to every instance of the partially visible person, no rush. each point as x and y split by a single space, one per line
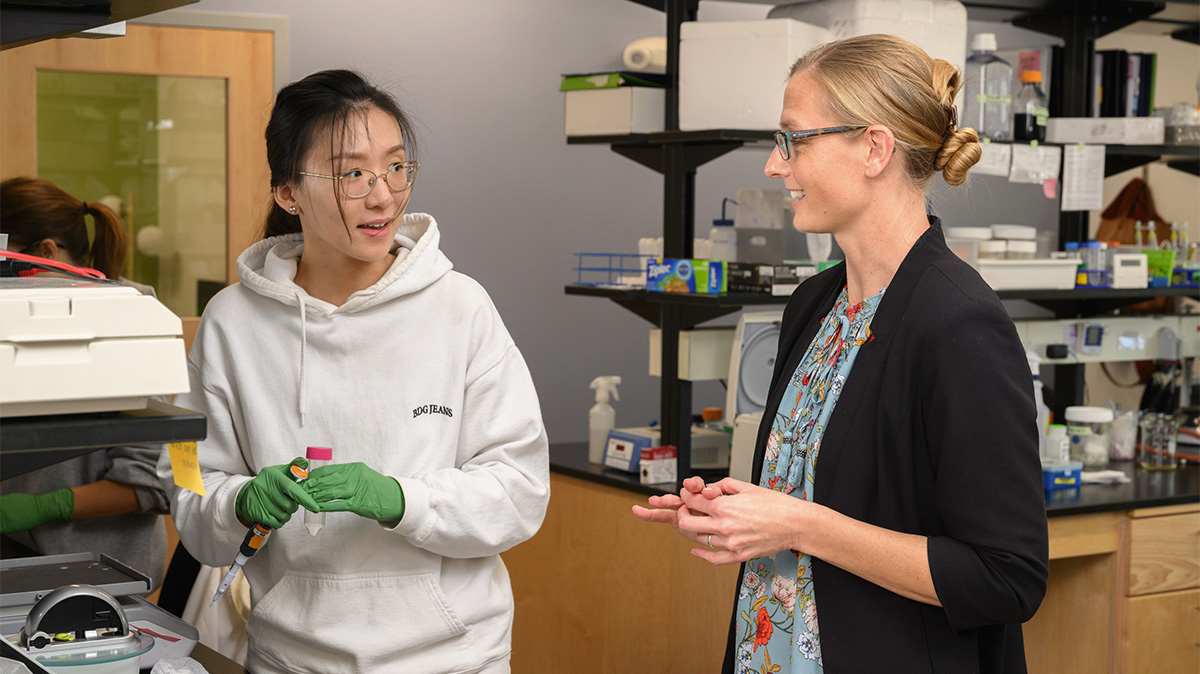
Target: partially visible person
895 520
108 501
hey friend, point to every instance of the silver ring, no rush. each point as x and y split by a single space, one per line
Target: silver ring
709 543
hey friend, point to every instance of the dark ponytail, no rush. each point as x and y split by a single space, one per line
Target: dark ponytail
33 210
303 109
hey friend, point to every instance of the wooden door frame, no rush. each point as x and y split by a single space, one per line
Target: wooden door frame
180 52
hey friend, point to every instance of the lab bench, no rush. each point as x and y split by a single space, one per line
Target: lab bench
598 590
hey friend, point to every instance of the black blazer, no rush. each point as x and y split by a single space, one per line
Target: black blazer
934 434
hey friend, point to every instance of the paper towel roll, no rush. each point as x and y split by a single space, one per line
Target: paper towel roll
647 55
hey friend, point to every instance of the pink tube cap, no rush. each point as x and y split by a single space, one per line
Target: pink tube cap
319 453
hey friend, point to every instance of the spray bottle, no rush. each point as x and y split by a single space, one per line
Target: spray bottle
1043 410
602 417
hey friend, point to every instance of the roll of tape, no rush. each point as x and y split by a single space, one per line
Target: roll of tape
647 55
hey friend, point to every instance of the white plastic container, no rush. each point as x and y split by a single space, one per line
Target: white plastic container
976 233
1014 232
1057 448
317 457
732 73
724 241
1021 250
992 249
1088 428
1029 274
967 249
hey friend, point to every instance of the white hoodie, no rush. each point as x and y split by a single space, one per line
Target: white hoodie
417 378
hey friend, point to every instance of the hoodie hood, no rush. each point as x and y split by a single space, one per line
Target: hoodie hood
269 268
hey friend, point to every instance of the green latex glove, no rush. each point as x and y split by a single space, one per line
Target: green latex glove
22 512
357 488
272 497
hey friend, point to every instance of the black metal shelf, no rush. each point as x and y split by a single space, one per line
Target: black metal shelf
28 21
29 443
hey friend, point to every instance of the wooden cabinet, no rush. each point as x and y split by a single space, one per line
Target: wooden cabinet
1157 615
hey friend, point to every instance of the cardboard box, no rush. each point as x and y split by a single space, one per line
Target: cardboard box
1144 130
732 73
613 112
1096 130
699 277
659 465
774 279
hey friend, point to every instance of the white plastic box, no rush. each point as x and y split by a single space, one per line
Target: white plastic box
732 73
614 111
1028 274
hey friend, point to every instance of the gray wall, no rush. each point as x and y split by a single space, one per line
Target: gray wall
514 201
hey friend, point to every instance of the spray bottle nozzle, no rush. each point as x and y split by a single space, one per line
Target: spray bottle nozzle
605 386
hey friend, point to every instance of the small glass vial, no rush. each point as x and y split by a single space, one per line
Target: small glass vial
317 457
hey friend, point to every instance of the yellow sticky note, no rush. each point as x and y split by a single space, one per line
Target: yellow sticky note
186 466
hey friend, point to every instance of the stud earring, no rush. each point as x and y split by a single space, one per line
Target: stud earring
292 210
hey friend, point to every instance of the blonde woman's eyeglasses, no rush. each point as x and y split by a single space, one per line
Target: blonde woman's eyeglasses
784 139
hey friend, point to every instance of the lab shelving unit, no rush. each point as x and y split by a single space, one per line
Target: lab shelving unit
29 443
677 154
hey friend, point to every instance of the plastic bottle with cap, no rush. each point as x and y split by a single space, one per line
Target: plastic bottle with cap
602 417
714 418
988 96
1057 448
723 236
317 457
1029 109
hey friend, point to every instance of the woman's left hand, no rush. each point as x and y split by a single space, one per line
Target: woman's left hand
745 521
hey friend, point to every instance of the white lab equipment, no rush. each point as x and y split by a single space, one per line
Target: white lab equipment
751 363
741 453
70 346
647 55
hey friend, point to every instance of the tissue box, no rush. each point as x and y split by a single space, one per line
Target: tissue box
659 465
732 73
615 111
777 279
700 277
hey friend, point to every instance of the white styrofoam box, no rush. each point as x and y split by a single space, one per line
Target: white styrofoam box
1099 130
732 73
1143 130
937 26
614 111
703 353
1028 274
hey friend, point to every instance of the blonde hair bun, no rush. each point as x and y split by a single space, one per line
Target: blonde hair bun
959 153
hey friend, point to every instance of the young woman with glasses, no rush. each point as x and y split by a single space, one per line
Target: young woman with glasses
895 520
350 330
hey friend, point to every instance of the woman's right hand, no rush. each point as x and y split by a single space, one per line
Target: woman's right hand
272 497
667 508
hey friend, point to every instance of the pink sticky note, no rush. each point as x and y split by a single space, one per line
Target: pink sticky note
1050 188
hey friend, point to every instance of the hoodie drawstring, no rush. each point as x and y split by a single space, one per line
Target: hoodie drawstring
303 348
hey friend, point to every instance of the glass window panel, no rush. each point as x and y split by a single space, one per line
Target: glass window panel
155 147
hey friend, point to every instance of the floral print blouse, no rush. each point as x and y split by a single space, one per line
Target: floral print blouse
777 608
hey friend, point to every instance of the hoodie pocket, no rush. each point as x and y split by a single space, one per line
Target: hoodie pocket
358 623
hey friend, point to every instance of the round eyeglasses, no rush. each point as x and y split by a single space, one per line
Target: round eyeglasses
784 139
358 183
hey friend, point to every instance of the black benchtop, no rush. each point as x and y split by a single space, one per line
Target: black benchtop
1146 489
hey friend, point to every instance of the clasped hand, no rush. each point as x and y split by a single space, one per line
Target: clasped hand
272 497
739 520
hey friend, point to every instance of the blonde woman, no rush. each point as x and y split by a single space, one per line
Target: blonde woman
895 520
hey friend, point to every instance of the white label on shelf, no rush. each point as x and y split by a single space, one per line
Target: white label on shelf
1083 177
995 160
1032 164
